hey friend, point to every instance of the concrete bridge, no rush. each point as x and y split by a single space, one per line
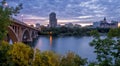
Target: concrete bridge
21 32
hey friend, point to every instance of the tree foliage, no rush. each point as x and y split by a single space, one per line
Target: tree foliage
71 59
108 49
20 54
17 54
6 13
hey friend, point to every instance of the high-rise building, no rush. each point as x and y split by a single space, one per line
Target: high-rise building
52 20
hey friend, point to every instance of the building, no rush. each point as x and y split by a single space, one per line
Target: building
114 24
96 24
70 25
58 25
105 24
52 20
37 25
77 26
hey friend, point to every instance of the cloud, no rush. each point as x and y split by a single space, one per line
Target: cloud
82 17
34 17
82 10
66 21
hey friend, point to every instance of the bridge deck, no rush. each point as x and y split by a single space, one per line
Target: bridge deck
23 24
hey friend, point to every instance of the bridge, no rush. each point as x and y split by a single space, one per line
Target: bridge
21 32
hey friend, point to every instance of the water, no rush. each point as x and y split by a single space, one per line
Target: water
62 45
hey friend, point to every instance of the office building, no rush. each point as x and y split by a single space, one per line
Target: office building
52 20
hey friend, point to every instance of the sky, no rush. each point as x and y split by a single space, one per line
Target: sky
73 11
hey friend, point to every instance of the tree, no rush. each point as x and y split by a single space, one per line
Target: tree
108 49
71 59
20 54
46 58
6 13
95 33
4 47
16 54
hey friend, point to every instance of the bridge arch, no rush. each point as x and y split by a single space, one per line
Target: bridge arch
12 34
26 35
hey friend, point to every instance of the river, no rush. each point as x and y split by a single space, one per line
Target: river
62 45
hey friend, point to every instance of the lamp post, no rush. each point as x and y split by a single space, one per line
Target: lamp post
5 4
22 17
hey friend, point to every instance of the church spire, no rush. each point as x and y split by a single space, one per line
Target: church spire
105 19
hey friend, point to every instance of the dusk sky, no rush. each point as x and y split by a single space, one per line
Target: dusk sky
75 11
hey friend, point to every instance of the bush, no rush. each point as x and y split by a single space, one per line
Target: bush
20 54
71 59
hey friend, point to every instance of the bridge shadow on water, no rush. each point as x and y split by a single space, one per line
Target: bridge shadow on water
33 43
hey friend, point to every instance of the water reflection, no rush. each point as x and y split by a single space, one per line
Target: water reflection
10 41
38 45
51 39
62 45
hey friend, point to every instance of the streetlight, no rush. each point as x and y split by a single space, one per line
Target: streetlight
22 17
5 4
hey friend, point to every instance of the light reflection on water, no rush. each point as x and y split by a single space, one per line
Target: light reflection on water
51 40
62 45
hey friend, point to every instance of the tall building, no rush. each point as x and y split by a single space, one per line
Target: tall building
52 20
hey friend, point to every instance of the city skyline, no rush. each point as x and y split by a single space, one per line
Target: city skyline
74 11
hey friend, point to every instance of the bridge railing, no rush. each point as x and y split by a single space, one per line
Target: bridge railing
18 21
22 23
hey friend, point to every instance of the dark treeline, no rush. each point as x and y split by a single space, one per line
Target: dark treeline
65 31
